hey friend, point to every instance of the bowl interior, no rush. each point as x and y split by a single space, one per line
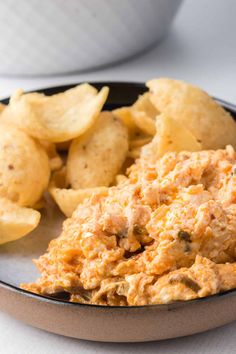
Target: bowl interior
16 264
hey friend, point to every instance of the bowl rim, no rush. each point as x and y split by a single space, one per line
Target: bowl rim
43 298
160 307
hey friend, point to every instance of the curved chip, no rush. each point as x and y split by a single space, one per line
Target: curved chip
139 142
171 136
126 117
136 144
120 179
140 116
40 204
55 159
95 158
196 110
68 199
24 167
56 118
16 221
144 114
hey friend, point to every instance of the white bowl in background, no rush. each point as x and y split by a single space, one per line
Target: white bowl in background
58 36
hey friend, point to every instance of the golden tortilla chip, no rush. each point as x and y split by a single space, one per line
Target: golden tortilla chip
16 221
68 199
95 158
171 136
56 118
140 116
24 167
212 126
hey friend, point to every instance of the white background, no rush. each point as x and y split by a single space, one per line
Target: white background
201 48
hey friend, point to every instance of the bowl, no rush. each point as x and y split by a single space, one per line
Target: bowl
92 322
55 36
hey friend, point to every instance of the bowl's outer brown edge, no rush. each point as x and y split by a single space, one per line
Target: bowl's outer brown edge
117 324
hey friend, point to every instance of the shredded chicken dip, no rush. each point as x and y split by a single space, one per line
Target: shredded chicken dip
167 232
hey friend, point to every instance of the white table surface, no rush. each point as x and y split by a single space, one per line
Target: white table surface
201 48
